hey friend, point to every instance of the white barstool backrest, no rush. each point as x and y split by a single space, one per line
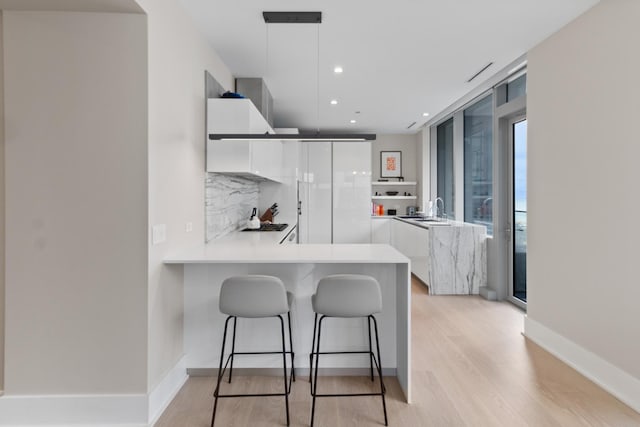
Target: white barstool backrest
253 296
347 295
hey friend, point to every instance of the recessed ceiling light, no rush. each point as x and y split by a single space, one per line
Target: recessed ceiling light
352 121
425 114
334 102
337 70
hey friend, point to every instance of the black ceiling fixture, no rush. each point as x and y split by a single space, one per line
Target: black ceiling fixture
295 136
295 18
292 17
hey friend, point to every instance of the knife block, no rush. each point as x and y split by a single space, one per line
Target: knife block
267 216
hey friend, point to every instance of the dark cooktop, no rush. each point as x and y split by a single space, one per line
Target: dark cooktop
268 227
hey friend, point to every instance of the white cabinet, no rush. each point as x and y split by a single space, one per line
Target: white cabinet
334 192
261 159
314 193
381 230
351 189
413 242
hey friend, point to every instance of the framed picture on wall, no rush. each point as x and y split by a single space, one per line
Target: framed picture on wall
390 164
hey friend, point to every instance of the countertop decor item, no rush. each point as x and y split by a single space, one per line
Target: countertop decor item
229 94
392 193
390 164
254 222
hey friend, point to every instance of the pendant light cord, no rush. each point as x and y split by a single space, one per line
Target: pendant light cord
318 80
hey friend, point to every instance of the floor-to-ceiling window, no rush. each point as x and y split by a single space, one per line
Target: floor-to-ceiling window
445 183
473 169
478 163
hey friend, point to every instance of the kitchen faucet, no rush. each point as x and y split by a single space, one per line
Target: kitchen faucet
436 204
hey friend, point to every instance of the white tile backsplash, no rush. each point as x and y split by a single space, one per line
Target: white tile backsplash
228 203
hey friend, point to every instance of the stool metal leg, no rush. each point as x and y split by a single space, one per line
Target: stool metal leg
374 359
220 372
315 374
293 355
223 367
313 344
284 365
370 349
233 347
382 388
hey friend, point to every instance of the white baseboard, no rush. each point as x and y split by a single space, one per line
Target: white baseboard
77 410
122 410
277 372
164 392
611 378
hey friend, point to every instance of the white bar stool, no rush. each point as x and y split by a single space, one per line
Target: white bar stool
346 296
254 296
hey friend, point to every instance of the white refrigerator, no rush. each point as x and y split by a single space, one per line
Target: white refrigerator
334 192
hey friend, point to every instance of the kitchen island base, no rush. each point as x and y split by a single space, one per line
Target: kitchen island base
203 322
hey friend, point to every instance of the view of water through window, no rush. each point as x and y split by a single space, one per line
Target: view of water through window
520 210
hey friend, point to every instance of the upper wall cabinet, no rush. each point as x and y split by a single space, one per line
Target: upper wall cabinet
253 159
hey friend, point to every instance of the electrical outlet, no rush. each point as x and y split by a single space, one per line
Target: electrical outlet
158 234
189 227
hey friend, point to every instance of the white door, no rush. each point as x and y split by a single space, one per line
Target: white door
518 211
351 192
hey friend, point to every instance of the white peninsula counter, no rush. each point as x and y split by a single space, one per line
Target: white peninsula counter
300 267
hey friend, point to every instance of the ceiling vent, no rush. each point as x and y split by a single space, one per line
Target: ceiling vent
482 70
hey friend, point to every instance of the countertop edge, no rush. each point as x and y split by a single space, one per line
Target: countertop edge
290 254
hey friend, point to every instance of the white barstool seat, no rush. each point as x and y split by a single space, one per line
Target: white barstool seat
346 296
252 297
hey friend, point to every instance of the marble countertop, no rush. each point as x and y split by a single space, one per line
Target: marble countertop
289 254
438 224
253 238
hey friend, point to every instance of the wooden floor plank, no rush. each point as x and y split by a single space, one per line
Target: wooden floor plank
471 367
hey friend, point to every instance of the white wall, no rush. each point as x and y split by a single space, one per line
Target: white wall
76 203
178 58
2 207
583 151
423 159
408 144
396 142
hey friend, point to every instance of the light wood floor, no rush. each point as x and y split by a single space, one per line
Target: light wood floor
471 367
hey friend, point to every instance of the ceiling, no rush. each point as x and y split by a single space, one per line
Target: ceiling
108 6
400 59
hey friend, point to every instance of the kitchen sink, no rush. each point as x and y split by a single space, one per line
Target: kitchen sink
434 221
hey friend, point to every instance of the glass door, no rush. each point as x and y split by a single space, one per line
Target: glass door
518 209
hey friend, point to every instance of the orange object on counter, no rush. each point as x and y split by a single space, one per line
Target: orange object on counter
380 210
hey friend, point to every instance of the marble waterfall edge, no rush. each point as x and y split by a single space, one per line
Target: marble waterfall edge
458 260
228 203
